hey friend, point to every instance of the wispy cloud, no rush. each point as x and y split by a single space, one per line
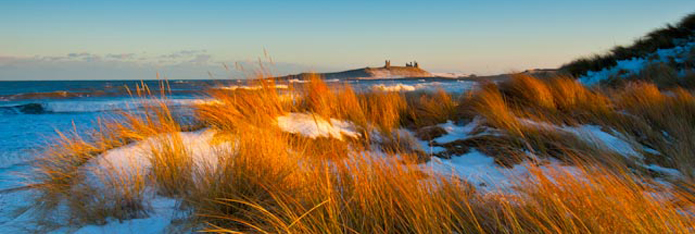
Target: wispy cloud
183 64
200 57
123 56
183 54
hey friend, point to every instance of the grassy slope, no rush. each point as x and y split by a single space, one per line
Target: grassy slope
662 38
259 186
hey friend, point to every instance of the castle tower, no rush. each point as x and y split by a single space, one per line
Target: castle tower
388 64
417 65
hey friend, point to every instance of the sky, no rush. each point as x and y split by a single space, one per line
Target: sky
74 39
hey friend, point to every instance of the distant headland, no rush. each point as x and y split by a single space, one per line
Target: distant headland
388 71
411 70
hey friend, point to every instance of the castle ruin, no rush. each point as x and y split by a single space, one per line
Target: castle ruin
387 64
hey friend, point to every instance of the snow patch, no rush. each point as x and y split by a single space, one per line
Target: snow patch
158 221
481 171
673 173
456 132
133 160
124 164
313 126
594 134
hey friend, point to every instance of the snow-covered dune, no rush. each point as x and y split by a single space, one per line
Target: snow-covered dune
676 56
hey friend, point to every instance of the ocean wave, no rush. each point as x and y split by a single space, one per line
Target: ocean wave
454 87
298 81
43 95
255 87
110 92
307 81
13 158
92 106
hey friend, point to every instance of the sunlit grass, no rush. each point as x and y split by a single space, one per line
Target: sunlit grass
267 180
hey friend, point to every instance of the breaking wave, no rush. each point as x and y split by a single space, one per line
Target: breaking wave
91 106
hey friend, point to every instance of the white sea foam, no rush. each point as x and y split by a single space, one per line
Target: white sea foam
449 74
454 87
253 87
394 88
112 105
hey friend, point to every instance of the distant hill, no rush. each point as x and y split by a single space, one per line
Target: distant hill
412 72
368 73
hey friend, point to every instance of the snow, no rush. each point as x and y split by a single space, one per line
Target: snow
631 66
613 141
313 126
481 171
149 225
431 149
478 169
456 132
158 221
475 167
594 134
123 164
673 173
16 216
134 159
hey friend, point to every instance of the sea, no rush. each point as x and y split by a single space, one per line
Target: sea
32 112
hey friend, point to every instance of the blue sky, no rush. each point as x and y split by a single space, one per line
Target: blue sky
187 39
